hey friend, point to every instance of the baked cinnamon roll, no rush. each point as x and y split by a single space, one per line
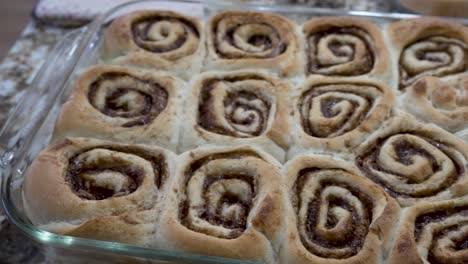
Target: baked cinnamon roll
435 233
429 47
345 46
415 162
463 135
163 40
234 108
333 114
444 103
335 215
98 189
248 39
224 201
123 104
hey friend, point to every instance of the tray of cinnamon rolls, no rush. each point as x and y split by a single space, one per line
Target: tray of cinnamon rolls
242 135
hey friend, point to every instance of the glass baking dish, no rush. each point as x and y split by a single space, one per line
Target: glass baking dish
29 127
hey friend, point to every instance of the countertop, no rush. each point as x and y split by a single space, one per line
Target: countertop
16 73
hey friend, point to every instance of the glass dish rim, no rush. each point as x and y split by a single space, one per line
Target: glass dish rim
7 167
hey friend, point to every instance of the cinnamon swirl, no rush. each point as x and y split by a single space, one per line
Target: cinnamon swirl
335 215
345 46
248 39
435 233
224 201
234 108
123 104
98 189
333 114
415 162
429 47
157 39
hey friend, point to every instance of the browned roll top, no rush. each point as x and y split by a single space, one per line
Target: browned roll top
111 171
331 110
344 51
333 216
250 35
412 165
229 106
158 33
449 230
435 55
218 200
133 100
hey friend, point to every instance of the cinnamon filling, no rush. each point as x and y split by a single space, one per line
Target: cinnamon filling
405 152
343 50
462 244
139 104
116 109
142 27
261 43
340 111
246 113
106 178
432 56
239 223
431 218
356 230
231 210
459 244
327 106
437 216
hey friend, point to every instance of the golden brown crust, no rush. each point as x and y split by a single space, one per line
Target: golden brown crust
444 103
98 189
240 226
128 228
235 108
335 215
435 232
125 105
415 162
259 40
428 47
336 114
357 48
159 39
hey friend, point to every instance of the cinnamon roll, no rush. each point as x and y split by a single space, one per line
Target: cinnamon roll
248 39
241 107
444 103
98 189
435 233
429 47
335 215
345 46
333 114
463 134
156 39
415 162
123 104
224 201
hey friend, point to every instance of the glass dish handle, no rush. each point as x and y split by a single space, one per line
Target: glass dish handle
30 112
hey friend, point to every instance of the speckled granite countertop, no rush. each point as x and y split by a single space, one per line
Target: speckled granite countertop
23 61
16 73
